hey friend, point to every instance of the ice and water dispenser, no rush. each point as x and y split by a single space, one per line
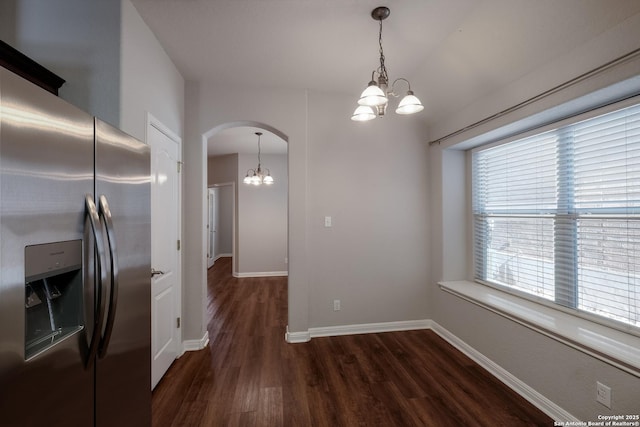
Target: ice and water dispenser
53 294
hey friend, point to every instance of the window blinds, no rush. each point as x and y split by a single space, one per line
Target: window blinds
557 215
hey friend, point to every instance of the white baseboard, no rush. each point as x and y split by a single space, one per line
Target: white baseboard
296 337
369 328
222 256
195 345
532 396
262 274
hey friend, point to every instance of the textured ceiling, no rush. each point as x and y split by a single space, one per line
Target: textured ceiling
452 51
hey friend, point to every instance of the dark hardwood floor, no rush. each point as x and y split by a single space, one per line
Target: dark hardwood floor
249 376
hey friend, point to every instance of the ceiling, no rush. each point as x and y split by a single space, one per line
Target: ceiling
453 51
243 140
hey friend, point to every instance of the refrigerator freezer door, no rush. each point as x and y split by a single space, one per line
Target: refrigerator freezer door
46 168
123 368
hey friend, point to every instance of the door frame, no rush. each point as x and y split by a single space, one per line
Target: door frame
233 218
159 126
212 192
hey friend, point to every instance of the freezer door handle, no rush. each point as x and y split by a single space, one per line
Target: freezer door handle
105 214
94 220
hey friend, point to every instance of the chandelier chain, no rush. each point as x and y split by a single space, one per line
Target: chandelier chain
258 133
383 68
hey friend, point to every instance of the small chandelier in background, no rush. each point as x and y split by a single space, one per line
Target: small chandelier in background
375 98
257 176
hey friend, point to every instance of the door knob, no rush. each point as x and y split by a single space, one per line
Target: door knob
155 272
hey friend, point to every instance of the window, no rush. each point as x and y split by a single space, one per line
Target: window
557 216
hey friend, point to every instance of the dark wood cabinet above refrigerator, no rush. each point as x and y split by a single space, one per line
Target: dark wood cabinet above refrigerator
17 62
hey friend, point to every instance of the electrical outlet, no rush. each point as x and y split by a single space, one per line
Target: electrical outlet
603 394
336 305
327 221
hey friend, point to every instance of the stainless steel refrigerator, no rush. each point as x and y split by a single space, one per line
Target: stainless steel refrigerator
75 266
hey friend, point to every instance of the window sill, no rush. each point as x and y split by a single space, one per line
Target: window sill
614 347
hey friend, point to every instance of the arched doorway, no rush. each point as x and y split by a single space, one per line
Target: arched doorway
259 223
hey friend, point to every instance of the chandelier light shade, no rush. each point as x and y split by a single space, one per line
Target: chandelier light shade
258 176
409 104
363 113
375 98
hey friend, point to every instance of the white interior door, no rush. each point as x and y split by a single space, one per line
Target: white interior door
165 227
212 227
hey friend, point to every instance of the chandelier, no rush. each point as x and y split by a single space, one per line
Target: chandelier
375 98
257 176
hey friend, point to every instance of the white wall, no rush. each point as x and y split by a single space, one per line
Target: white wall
8 22
375 258
222 169
371 178
76 39
150 82
262 218
562 374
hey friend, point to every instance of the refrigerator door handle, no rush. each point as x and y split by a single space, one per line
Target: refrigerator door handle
96 228
105 213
